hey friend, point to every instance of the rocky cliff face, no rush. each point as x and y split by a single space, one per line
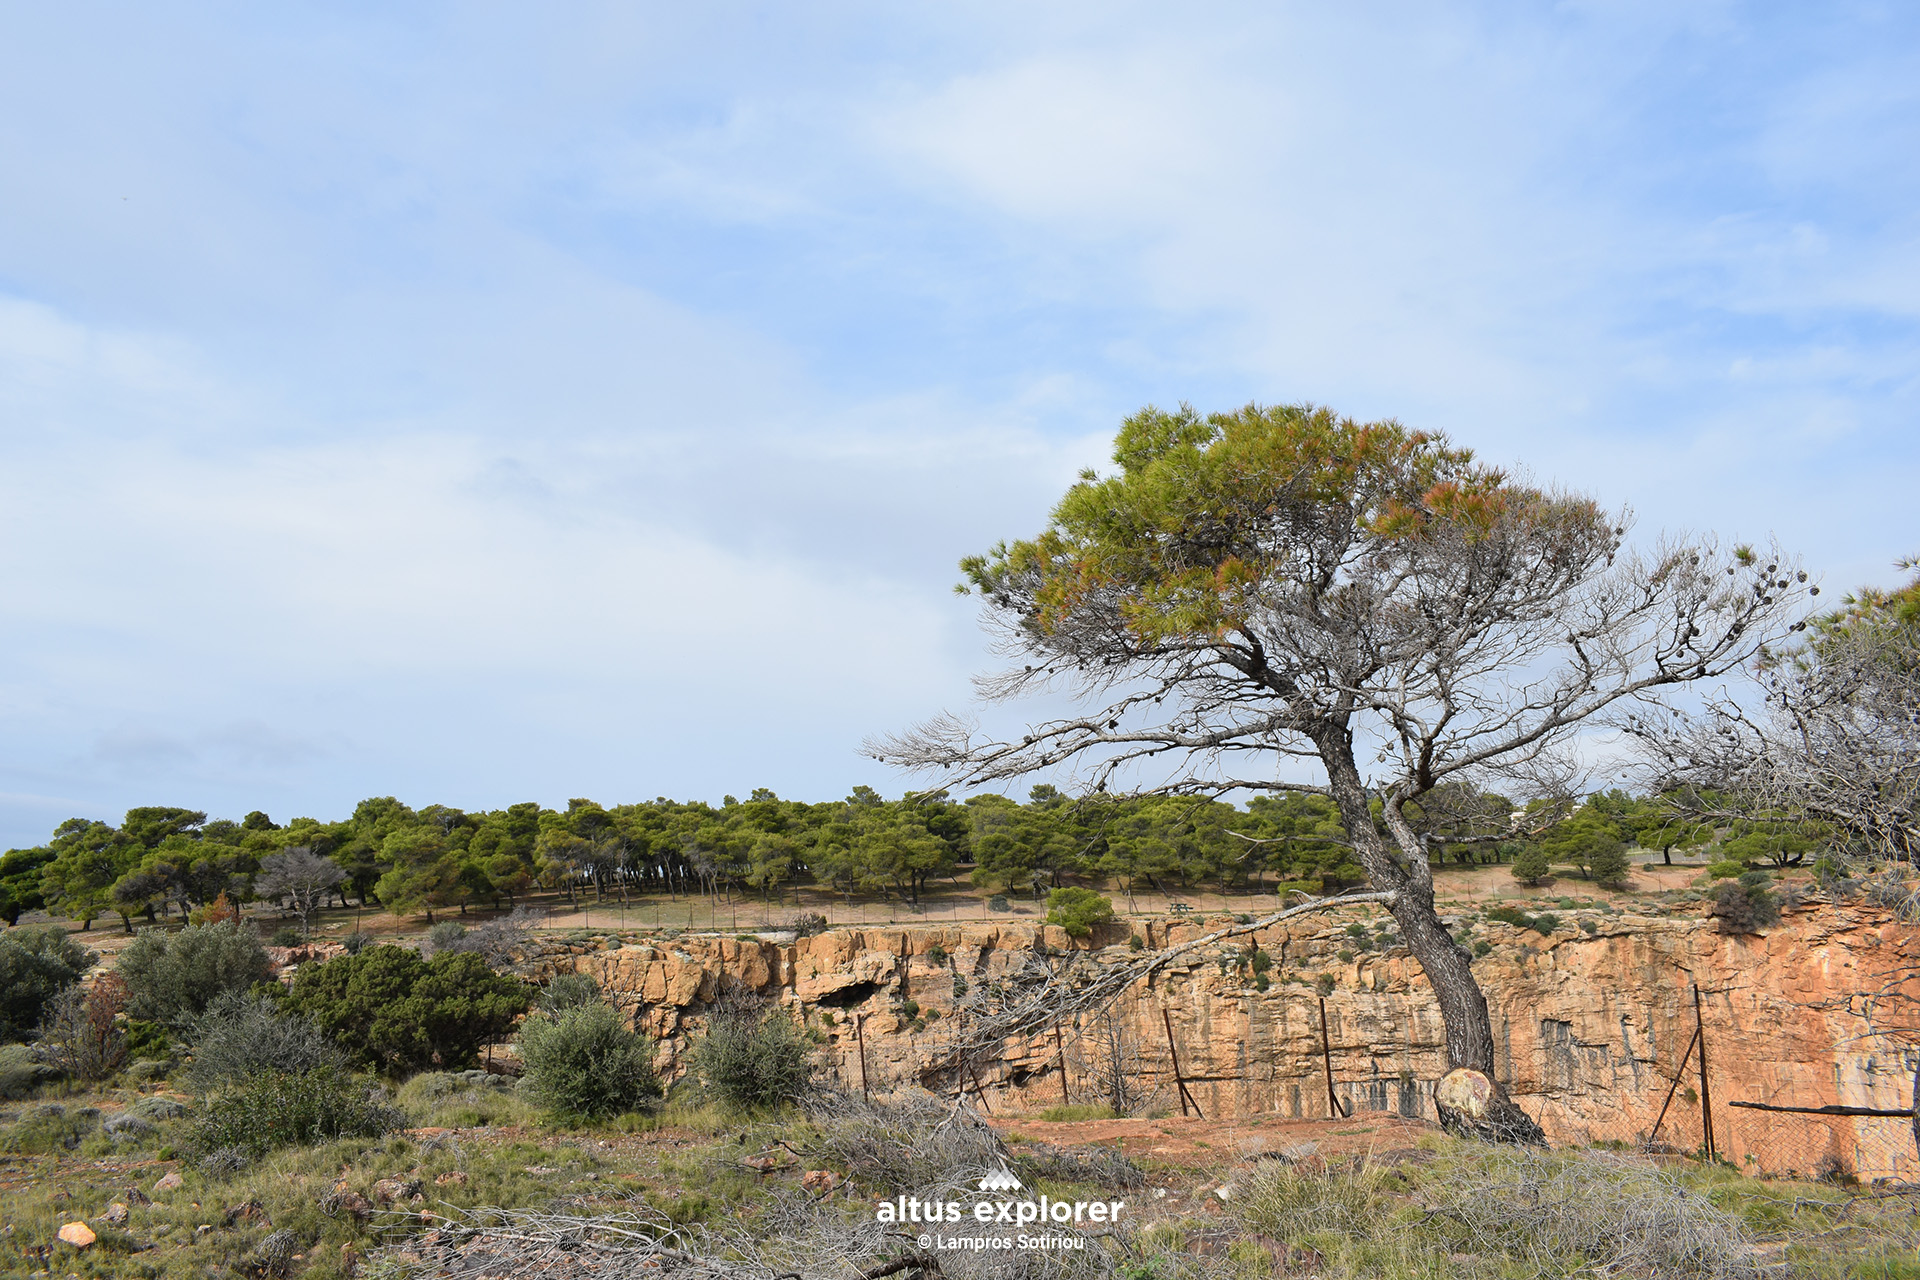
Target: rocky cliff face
1592 1026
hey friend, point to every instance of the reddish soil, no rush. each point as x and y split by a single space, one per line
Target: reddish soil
1212 1145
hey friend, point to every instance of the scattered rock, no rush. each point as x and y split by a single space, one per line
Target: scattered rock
343 1199
539 1170
115 1216
818 1181
202 1230
252 1212
389 1190
171 1181
78 1234
452 1178
136 1196
1224 1191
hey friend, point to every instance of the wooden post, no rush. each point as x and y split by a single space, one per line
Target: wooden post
1706 1095
1178 1080
979 1090
860 1035
1335 1110
1061 1051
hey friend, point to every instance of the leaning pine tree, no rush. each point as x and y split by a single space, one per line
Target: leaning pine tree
1282 591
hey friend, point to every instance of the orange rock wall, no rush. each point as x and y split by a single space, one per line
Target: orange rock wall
1590 1027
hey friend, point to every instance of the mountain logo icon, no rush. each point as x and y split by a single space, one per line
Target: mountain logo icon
1000 1180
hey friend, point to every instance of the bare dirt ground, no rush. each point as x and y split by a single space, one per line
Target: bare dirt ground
1197 1145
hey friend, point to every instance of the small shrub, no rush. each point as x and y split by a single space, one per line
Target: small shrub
584 1063
285 936
20 1072
36 964
1544 923
1324 984
356 941
171 979
998 902
809 923
48 1128
148 1041
1482 948
1078 910
1346 956
753 1056
496 941
241 1037
1077 1112
1589 926
80 1032
568 991
158 1107
1136 943
443 936
1530 865
293 1110
128 1127
937 954
1745 906
1727 869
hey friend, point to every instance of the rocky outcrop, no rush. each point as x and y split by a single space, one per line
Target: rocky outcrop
1592 1021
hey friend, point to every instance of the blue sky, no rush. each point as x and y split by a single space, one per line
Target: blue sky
483 403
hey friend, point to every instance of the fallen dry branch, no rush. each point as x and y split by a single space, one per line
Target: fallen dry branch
1040 996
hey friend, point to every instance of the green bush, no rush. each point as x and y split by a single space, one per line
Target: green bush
568 991
583 1063
1745 905
1726 869
285 936
277 1111
174 978
1530 864
392 1011
752 1057
241 1037
1078 910
1609 864
148 1041
998 902
36 964
443 936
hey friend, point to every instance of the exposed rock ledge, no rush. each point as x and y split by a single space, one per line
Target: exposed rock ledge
1590 1027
